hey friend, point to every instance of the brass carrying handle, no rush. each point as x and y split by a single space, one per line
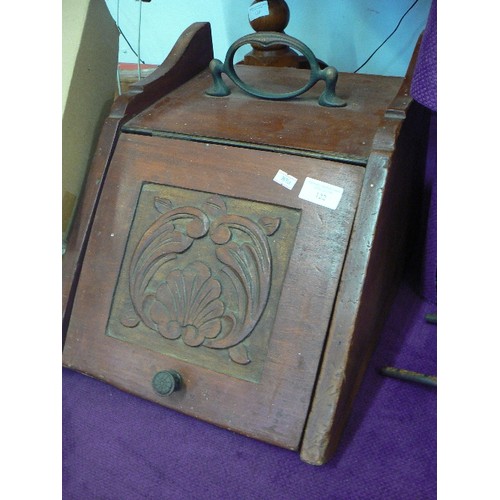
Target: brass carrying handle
265 39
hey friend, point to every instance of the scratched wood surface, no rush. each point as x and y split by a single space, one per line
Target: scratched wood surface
191 54
380 244
169 151
300 123
274 408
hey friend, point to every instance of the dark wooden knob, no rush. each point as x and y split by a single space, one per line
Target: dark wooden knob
276 20
271 15
166 382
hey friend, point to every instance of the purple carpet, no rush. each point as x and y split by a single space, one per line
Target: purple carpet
117 446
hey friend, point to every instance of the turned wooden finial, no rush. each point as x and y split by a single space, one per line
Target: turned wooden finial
276 19
271 15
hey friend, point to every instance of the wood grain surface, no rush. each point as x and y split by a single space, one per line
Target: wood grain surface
379 246
186 172
273 409
191 54
301 123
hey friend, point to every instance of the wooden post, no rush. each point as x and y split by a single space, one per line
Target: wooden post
271 15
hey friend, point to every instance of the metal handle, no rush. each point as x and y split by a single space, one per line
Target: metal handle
166 382
328 74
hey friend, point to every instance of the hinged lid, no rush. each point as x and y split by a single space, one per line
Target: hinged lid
297 126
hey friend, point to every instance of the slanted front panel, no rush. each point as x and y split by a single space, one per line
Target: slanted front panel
200 262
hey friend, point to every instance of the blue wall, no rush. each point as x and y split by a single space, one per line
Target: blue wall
343 33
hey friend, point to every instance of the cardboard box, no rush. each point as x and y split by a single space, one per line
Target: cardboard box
89 65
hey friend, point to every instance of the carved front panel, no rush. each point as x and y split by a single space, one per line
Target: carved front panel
232 291
201 278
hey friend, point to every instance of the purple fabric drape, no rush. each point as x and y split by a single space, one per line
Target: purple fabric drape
424 83
424 91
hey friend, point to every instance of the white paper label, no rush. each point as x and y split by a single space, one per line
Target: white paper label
321 193
285 180
258 10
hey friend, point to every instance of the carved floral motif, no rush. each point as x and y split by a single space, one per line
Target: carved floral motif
187 304
190 302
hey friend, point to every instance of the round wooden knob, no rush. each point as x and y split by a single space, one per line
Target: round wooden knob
166 382
276 19
271 16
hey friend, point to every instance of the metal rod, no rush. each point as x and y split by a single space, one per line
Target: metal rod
408 375
431 318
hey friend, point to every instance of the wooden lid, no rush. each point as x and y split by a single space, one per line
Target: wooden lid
300 124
